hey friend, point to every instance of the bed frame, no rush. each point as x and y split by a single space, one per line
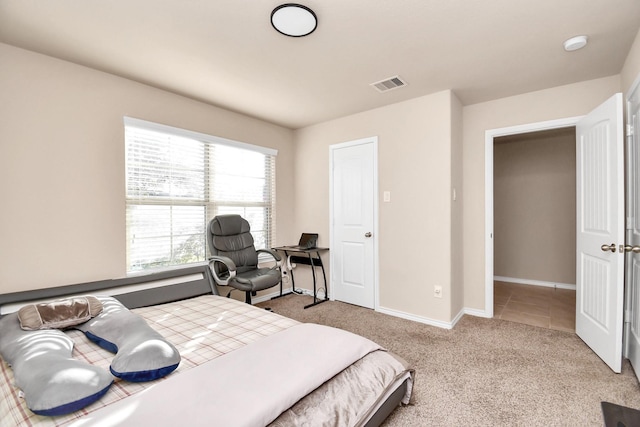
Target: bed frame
153 289
132 292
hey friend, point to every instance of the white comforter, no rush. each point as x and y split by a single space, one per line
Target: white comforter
250 386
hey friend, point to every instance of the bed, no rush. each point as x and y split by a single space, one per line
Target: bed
240 364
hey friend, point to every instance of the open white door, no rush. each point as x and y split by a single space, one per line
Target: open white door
632 336
600 231
353 204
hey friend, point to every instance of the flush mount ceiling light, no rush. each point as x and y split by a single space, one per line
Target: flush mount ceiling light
294 20
575 43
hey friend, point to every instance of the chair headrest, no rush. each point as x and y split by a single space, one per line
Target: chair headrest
229 225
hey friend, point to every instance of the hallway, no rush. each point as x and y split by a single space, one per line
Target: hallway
545 307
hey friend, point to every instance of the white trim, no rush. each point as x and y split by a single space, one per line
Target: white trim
488 223
488 190
267 297
535 282
285 292
143 124
419 319
477 313
369 140
630 221
457 318
388 311
634 86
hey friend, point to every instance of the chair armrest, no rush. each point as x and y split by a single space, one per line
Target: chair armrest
276 256
228 263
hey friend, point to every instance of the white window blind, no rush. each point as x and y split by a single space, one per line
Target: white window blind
178 180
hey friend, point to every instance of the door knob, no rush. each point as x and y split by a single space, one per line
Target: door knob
628 248
611 247
368 234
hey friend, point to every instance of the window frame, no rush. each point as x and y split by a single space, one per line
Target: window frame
208 140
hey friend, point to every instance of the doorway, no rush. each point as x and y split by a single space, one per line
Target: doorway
534 228
490 136
599 221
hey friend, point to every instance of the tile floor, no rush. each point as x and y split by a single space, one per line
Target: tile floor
535 305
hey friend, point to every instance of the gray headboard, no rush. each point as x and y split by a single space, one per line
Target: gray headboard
133 292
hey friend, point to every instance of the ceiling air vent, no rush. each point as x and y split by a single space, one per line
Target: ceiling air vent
389 84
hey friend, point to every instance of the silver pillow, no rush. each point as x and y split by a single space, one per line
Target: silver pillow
59 314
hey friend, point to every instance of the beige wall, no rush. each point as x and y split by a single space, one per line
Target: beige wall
549 104
62 174
535 206
415 150
62 165
631 69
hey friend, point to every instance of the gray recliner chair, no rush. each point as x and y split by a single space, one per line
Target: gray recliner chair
234 259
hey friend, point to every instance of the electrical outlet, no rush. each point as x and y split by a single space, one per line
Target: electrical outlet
437 291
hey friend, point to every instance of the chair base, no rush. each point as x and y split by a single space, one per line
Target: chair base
247 297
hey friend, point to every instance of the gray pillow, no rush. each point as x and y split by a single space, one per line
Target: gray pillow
52 381
142 353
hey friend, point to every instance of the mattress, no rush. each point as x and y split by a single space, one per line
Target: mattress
205 328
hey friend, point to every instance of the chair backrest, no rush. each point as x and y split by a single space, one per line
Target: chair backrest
230 236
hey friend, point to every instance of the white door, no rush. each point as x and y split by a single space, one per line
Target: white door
353 207
600 231
633 232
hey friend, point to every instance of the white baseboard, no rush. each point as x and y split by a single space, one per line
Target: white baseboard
535 282
457 317
413 317
389 311
477 313
267 297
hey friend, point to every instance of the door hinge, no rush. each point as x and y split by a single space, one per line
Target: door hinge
627 316
629 129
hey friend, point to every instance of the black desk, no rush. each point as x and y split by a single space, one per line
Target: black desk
307 257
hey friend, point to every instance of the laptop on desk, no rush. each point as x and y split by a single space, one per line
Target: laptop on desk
307 241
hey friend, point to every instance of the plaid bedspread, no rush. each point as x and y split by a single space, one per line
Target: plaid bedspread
202 329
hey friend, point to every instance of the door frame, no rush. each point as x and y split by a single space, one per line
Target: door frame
488 191
629 196
376 268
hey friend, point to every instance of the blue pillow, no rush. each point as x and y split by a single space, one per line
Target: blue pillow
52 381
142 354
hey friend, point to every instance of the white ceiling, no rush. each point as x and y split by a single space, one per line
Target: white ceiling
225 52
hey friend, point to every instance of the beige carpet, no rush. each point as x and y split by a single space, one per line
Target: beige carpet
484 372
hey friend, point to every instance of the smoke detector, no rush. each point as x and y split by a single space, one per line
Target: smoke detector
389 84
575 43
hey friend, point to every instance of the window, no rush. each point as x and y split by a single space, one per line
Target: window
178 180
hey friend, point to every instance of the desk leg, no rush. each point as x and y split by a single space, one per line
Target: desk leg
324 276
317 301
293 282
